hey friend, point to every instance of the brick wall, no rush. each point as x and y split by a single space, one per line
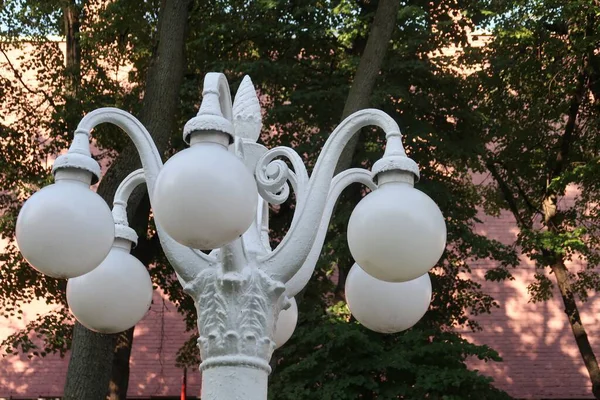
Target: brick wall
541 359
153 373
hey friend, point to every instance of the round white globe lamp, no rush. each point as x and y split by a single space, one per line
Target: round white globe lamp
386 307
65 230
396 233
113 297
286 324
205 197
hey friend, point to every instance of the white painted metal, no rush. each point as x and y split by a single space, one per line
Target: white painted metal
394 158
215 112
247 119
290 255
387 307
241 288
236 381
338 184
119 211
78 158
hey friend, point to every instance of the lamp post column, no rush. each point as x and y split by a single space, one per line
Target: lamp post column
238 305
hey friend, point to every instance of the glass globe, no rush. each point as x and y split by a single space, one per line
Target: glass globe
113 297
286 324
205 197
65 230
396 233
386 307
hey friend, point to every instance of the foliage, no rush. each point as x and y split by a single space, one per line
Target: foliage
303 57
330 358
538 105
537 101
35 92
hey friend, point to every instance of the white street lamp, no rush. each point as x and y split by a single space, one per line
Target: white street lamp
215 196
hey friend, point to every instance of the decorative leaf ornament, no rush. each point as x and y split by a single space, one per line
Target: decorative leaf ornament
247 118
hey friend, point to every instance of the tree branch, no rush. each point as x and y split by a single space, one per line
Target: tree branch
520 190
19 77
581 338
567 137
506 192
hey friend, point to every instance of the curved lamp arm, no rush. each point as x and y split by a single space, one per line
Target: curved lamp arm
181 257
340 182
287 259
216 82
124 191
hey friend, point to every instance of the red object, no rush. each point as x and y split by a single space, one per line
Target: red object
184 385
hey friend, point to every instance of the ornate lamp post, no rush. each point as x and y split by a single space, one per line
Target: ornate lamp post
214 196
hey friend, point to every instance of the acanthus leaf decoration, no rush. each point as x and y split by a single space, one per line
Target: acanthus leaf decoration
247 118
237 314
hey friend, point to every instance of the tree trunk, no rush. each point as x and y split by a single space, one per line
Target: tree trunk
585 349
359 98
554 169
92 354
119 379
368 69
71 14
89 367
